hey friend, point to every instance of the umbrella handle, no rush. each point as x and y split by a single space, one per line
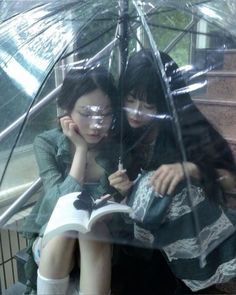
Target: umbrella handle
120 165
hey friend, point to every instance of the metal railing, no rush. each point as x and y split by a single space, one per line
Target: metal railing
17 205
34 110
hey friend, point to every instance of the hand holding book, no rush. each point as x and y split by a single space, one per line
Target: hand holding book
86 202
78 211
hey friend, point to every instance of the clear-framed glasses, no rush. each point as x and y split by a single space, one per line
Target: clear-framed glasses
98 116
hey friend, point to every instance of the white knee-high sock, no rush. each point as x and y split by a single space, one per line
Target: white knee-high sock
47 286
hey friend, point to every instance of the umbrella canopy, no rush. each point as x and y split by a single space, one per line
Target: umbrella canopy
40 42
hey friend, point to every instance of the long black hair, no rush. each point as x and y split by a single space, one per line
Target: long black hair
203 144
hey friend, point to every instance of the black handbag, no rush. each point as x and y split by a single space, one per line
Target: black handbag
149 208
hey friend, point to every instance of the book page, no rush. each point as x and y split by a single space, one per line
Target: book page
65 217
110 207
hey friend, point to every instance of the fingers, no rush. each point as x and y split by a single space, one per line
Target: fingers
70 129
123 188
173 184
65 121
167 186
117 177
162 183
120 181
166 178
68 126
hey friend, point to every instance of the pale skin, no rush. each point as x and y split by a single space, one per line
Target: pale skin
57 257
165 179
120 181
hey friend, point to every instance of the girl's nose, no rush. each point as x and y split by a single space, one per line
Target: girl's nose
96 122
138 108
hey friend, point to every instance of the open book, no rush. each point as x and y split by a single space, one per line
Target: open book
66 217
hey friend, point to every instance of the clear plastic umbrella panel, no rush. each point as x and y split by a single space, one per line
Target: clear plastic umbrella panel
41 41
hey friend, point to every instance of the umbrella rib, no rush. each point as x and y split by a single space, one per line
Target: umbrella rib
19 13
44 29
182 30
179 29
89 42
149 14
169 98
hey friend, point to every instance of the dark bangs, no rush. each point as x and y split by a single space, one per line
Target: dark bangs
79 82
148 91
142 80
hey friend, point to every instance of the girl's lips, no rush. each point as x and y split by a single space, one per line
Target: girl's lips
133 121
93 135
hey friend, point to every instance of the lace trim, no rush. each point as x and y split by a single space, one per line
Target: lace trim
143 235
181 204
224 273
209 238
179 207
142 197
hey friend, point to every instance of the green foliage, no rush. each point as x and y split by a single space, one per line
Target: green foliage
166 25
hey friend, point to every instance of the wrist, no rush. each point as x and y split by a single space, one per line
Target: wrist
193 170
81 148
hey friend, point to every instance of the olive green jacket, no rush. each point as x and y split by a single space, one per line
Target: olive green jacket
52 151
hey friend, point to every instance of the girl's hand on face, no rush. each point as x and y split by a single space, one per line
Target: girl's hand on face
166 177
71 131
120 181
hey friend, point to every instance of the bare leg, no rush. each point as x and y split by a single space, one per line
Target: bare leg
56 258
55 265
95 257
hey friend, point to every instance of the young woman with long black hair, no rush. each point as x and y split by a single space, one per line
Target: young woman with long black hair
157 151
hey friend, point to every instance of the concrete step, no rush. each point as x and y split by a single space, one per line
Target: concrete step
221 84
208 59
221 59
229 60
221 114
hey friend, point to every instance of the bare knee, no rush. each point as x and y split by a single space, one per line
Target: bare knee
94 245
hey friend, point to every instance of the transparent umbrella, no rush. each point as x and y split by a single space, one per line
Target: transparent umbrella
40 42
